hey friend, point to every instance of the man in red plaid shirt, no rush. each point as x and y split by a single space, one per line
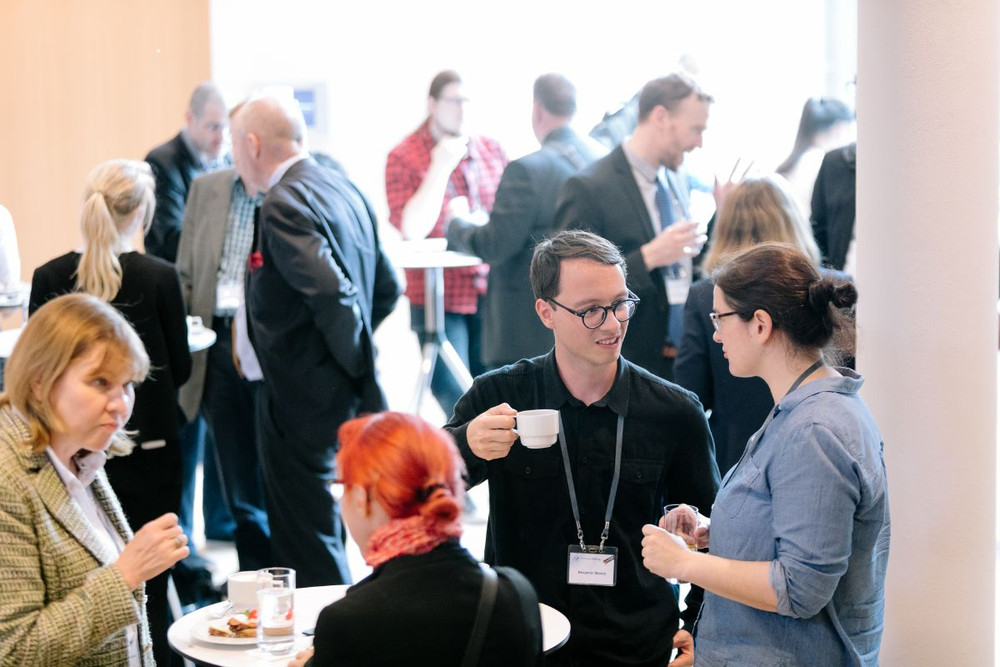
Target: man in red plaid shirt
435 168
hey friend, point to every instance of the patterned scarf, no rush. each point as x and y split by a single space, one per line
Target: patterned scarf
408 537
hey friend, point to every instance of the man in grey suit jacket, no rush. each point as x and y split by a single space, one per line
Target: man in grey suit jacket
634 198
521 217
212 257
318 285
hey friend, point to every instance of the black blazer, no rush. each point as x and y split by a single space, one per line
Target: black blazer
174 166
522 215
605 199
833 204
150 299
420 609
324 285
739 405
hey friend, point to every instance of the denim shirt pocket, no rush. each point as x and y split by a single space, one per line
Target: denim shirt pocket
536 474
743 482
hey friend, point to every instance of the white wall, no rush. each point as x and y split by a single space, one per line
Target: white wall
377 58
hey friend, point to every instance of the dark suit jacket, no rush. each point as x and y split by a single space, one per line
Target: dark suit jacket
324 285
605 199
833 204
739 405
522 216
150 299
174 166
415 607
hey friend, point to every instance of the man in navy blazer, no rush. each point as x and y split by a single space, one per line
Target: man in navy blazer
522 216
617 197
318 285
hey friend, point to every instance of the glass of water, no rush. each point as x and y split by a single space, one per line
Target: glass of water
275 610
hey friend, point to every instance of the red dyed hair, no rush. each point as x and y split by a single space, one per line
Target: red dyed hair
408 466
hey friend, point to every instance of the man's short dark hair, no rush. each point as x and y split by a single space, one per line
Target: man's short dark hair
668 92
547 260
442 79
556 94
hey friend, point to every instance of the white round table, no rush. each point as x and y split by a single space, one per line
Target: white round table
186 634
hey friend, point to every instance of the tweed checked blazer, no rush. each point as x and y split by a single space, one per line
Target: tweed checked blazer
62 601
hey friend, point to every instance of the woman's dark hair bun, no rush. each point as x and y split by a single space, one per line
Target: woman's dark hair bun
845 295
825 292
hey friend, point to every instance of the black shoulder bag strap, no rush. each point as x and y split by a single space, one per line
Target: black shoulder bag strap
487 599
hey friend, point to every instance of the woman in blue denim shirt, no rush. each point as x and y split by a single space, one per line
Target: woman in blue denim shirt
799 538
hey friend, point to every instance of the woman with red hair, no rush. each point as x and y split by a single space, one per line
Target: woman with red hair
403 493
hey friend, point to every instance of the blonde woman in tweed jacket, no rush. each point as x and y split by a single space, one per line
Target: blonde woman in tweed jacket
71 572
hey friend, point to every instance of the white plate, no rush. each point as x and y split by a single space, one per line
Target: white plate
200 633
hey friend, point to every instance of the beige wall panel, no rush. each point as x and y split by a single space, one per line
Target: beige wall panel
83 81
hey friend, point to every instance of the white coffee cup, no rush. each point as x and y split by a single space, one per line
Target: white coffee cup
537 429
241 589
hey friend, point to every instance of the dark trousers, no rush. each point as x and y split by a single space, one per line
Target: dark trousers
306 531
464 332
195 440
142 504
229 404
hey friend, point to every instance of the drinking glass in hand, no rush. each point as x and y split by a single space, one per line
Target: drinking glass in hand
681 520
275 604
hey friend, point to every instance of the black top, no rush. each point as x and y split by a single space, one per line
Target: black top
833 204
668 457
174 167
419 610
739 405
150 299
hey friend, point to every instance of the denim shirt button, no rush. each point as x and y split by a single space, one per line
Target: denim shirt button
527 470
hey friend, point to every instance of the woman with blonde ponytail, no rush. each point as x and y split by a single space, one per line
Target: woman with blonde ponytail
118 205
402 503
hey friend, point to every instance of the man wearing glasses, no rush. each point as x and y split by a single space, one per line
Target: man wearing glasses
435 169
570 516
636 198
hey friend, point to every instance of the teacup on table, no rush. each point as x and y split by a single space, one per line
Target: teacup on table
241 589
537 429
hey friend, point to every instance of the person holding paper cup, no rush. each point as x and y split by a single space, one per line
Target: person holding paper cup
799 540
569 515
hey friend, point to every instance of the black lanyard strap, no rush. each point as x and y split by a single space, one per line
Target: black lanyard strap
572 487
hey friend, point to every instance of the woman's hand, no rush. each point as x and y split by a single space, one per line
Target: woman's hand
301 658
689 524
158 545
664 554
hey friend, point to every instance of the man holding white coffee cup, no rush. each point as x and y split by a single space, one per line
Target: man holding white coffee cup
569 515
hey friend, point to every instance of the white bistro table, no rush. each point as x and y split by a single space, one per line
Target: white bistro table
433 257
187 636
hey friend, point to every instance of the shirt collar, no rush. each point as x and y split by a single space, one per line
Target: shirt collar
849 382
284 167
88 464
648 171
616 399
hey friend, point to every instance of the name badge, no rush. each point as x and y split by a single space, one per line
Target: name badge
591 567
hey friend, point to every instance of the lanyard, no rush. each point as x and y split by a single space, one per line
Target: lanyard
572 488
756 437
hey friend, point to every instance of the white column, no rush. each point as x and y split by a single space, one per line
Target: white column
927 275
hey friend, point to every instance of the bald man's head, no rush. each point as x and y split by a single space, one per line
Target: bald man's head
266 132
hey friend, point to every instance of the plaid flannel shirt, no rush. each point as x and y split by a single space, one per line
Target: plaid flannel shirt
404 172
